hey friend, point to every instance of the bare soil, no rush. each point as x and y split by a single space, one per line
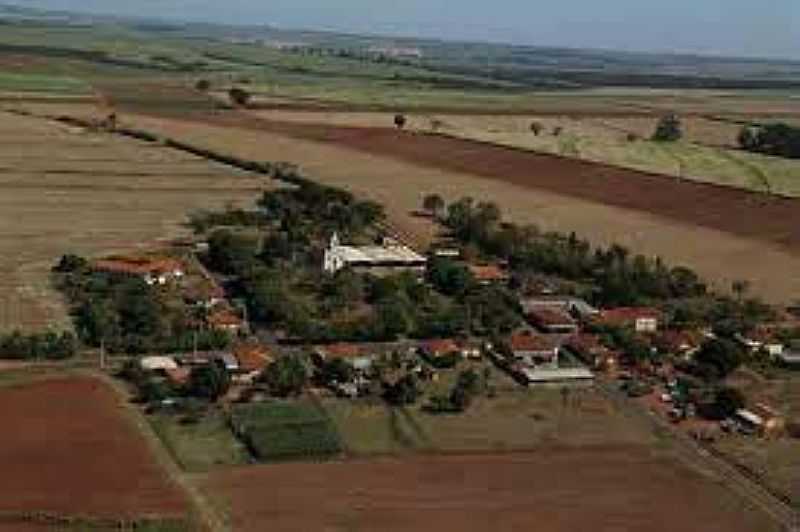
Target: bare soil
69 451
553 490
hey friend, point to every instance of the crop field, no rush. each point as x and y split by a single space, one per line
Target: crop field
74 454
517 419
597 488
746 237
285 431
66 190
704 156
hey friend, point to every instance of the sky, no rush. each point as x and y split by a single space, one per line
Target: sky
757 28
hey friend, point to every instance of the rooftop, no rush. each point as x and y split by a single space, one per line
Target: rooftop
528 341
488 272
341 350
623 314
138 265
439 346
555 374
252 357
378 254
549 316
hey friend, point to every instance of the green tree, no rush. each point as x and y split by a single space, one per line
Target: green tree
718 357
448 276
434 204
668 129
727 401
286 376
400 121
239 96
230 252
403 392
210 381
202 85
336 370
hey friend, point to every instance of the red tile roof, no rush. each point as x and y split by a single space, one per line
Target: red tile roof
488 272
628 314
439 347
252 357
551 317
224 319
586 343
179 376
138 265
341 350
528 341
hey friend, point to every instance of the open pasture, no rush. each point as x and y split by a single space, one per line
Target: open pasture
67 190
74 454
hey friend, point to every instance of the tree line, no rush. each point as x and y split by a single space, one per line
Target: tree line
780 140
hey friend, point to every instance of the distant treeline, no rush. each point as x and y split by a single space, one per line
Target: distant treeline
780 140
101 57
50 345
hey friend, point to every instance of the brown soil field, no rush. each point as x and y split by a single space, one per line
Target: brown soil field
65 190
553 490
72 452
653 215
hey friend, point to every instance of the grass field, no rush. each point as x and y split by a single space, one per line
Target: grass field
777 462
65 190
514 420
286 430
200 446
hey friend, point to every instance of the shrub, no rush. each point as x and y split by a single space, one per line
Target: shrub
669 129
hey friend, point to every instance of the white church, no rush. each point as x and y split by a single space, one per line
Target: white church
388 258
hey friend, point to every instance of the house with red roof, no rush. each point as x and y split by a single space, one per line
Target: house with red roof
152 270
533 349
487 274
588 348
553 320
640 319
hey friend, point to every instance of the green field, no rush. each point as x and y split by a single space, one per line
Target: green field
287 430
202 445
11 82
516 418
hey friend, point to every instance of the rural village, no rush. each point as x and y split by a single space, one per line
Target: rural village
265 279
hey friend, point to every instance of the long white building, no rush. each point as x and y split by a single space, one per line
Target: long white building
390 257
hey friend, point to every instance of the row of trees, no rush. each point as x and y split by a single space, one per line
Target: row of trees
616 276
49 345
781 140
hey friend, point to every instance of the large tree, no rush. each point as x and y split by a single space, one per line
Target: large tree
669 129
286 376
434 204
210 381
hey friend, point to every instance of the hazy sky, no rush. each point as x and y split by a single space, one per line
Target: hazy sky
731 27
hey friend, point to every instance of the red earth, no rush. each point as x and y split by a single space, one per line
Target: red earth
68 450
552 490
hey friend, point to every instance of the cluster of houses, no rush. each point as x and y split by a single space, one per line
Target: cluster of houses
244 362
196 286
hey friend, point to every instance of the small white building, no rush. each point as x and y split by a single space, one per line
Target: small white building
158 363
390 257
